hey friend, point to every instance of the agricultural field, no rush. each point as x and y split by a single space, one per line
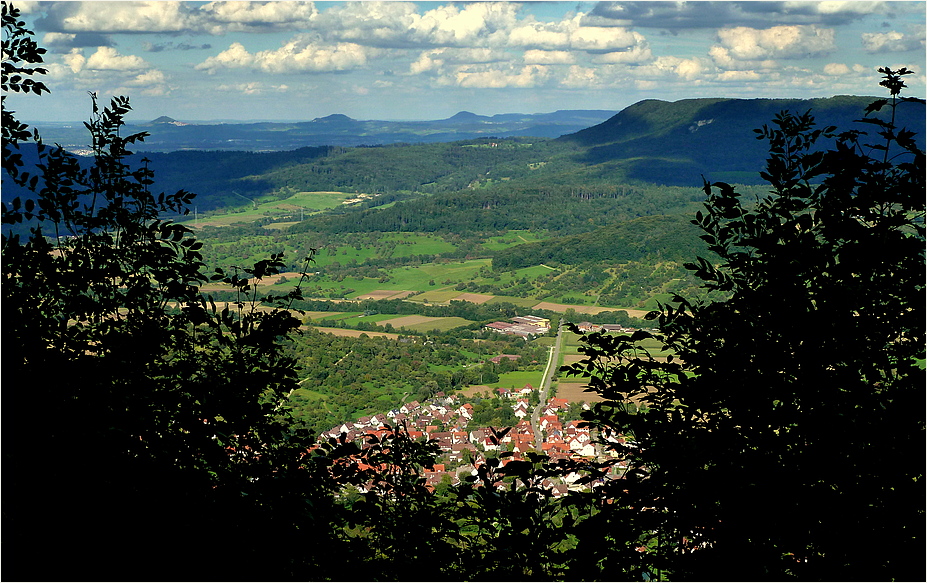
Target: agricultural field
518 379
293 207
424 323
576 393
354 333
427 268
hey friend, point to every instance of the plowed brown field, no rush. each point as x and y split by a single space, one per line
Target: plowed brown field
474 298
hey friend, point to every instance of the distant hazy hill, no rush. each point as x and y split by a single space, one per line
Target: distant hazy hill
162 120
672 142
168 134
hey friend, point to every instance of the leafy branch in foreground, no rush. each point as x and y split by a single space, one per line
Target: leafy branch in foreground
163 419
788 418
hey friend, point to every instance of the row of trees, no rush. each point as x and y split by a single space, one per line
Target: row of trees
156 442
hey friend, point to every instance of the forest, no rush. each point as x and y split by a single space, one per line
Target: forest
779 436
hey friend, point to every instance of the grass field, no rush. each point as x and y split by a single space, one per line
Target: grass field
427 324
379 319
353 333
519 378
511 239
439 295
509 380
301 203
316 316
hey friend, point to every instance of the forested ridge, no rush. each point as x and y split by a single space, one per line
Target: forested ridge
784 418
669 237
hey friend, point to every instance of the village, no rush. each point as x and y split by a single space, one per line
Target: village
550 428
446 419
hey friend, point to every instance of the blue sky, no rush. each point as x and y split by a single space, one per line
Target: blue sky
428 60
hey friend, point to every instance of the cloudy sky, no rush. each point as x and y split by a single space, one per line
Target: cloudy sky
428 60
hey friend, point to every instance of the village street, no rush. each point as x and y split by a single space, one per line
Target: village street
549 371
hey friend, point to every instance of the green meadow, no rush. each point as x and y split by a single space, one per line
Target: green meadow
293 207
511 239
518 379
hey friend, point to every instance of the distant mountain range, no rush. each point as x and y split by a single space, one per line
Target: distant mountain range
656 142
168 134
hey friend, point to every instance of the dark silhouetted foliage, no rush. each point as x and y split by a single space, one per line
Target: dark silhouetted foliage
786 439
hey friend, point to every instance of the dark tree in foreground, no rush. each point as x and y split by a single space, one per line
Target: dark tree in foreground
151 439
786 439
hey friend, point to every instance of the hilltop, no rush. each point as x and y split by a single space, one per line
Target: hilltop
678 142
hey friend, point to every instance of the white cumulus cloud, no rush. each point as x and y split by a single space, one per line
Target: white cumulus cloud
111 17
778 42
538 35
892 42
253 88
722 58
177 17
75 60
428 61
108 59
477 24
222 17
302 54
836 69
600 38
539 57
580 77
527 76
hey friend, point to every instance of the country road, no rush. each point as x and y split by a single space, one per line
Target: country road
552 360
